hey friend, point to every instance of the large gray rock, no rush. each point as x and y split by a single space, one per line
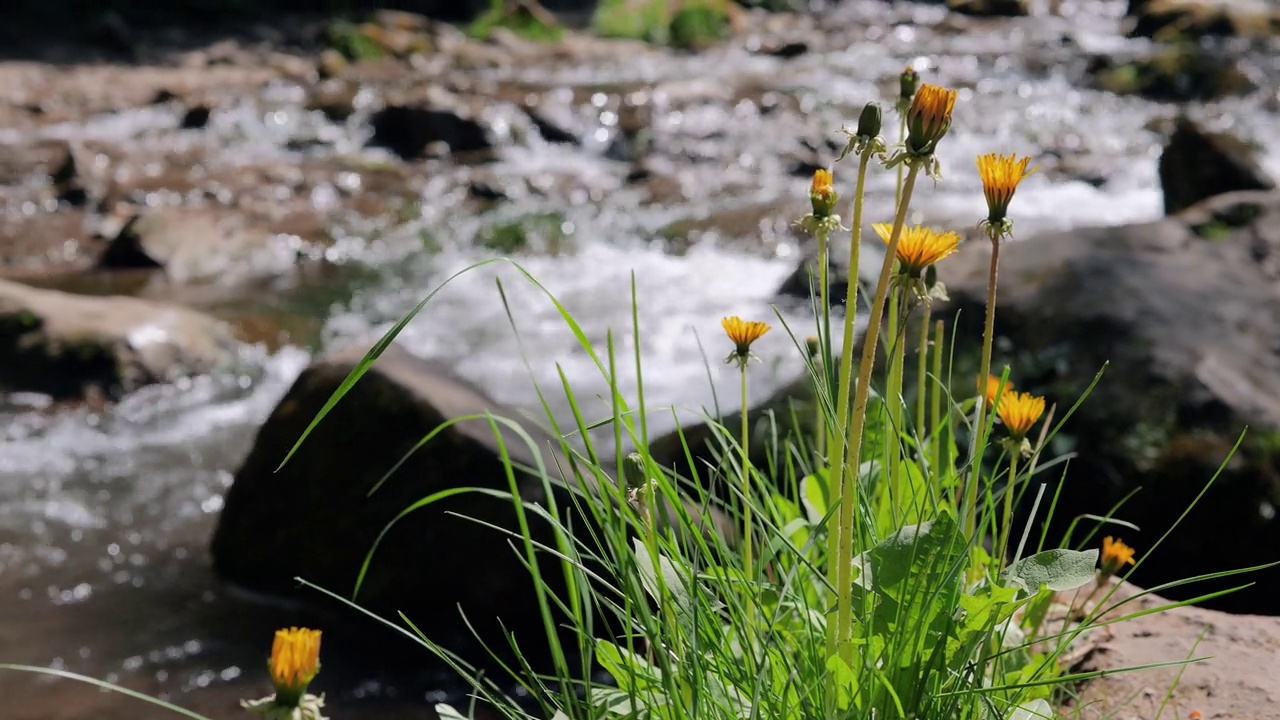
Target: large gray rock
62 344
1198 164
1186 311
316 519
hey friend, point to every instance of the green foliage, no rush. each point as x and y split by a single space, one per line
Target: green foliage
689 24
699 24
537 232
518 19
354 44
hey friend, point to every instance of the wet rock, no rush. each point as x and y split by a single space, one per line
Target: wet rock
1190 327
1167 20
192 246
1181 72
332 520
195 117
68 180
556 125
334 98
331 63
68 345
989 8
409 126
1197 164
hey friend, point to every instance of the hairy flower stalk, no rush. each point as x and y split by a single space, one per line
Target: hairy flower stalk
1000 177
821 222
1018 411
857 422
743 333
867 143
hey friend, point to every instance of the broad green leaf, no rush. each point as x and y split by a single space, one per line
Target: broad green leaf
1034 710
672 585
1059 570
813 492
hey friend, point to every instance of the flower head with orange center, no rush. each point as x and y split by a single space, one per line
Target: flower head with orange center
993 388
929 118
1019 411
919 246
295 660
294 663
1115 555
1000 177
743 333
822 194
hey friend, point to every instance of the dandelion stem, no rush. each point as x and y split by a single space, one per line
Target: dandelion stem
838 433
935 402
857 421
922 375
824 335
984 370
746 482
1006 523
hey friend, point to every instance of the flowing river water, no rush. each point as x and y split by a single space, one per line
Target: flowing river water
105 514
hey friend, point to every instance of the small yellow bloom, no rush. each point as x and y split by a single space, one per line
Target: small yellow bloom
1115 555
822 194
919 246
1019 411
295 660
929 118
743 333
1000 177
993 386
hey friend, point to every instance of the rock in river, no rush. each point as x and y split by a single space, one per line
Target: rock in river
1198 164
62 344
317 520
1186 312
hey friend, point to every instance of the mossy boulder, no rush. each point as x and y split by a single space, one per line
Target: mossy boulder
68 345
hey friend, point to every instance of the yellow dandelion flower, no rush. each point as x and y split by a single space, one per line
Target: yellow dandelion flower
822 194
929 117
1019 411
1000 177
1115 555
993 386
919 246
743 333
295 660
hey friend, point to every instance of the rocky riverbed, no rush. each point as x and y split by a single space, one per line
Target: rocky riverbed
236 204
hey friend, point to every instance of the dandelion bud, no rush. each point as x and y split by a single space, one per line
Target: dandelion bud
633 470
908 81
822 194
869 121
929 118
811 346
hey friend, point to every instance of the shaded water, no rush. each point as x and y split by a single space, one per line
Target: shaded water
105 515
